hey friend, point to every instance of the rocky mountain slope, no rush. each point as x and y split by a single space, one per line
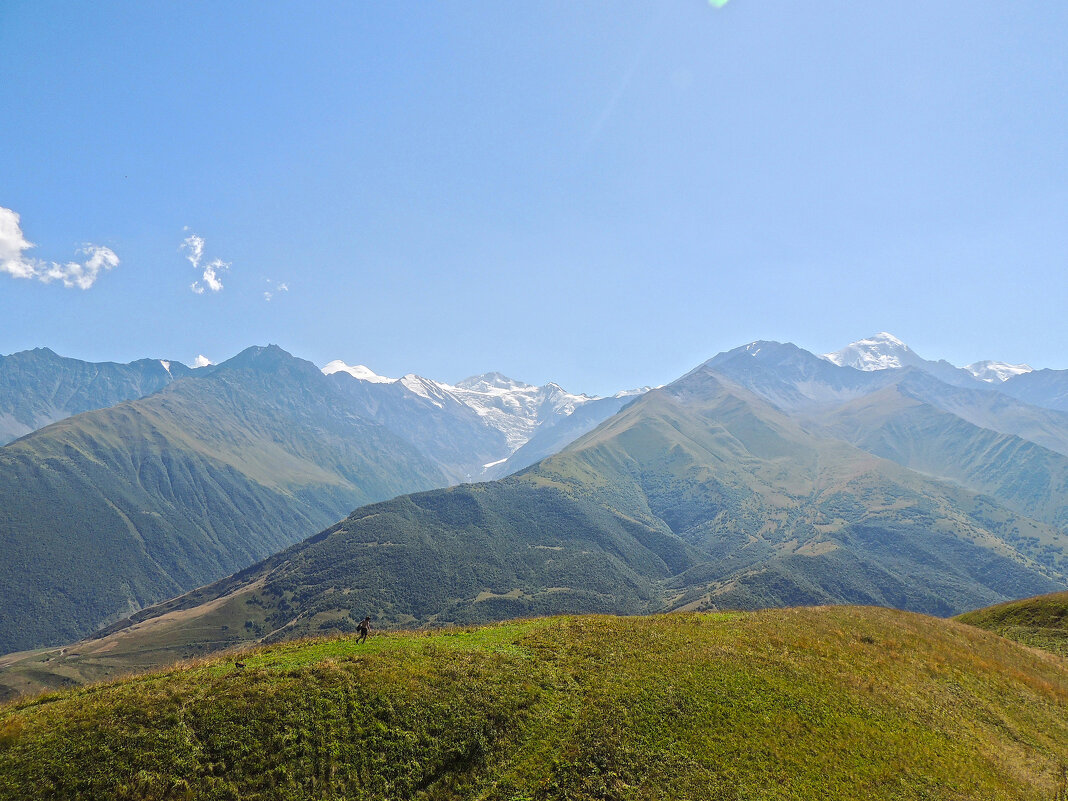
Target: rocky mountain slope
475 426
114 509
37 387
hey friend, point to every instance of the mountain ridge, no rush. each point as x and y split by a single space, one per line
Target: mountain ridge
764 476
699 495
38 387
155 495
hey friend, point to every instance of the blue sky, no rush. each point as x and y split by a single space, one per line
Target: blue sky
598 193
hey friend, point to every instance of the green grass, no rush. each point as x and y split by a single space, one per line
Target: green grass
499 639
1040 622
828 703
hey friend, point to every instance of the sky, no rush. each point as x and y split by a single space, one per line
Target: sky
601 193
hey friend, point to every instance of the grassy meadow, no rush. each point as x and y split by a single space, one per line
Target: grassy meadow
1040 622
827 703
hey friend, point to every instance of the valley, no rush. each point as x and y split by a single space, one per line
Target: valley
766 477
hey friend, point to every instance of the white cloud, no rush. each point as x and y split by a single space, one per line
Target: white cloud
211 272
73 274
270 293
12 243
202 361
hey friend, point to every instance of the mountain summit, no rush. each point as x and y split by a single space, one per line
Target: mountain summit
491 381
880 351
511 412
884 351
997 372
362 372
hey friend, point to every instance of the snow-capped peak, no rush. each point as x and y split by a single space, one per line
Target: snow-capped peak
436 393
995 372
491 381
512 407
880 351
627 393
356 371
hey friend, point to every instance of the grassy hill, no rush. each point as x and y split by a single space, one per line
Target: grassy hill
830 703
1040 622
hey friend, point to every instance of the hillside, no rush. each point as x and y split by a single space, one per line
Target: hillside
765 477
111 510
697 496
897 423
1040 622
147 495
38 387
830 703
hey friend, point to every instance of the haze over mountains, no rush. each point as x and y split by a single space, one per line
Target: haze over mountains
38 387
480 426
125 505
767 476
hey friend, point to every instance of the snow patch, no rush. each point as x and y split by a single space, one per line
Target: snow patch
356 371
514 408
488 382
425 388
880 351
996 372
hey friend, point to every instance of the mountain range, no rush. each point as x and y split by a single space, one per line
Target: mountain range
38 387
481 426
767 476
176 477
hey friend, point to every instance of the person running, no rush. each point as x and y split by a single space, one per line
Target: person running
363 629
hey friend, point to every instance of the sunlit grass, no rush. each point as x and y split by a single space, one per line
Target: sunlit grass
836 703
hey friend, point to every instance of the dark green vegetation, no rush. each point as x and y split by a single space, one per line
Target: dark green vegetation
37 387
832 703
698 496
1039 622
110 510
